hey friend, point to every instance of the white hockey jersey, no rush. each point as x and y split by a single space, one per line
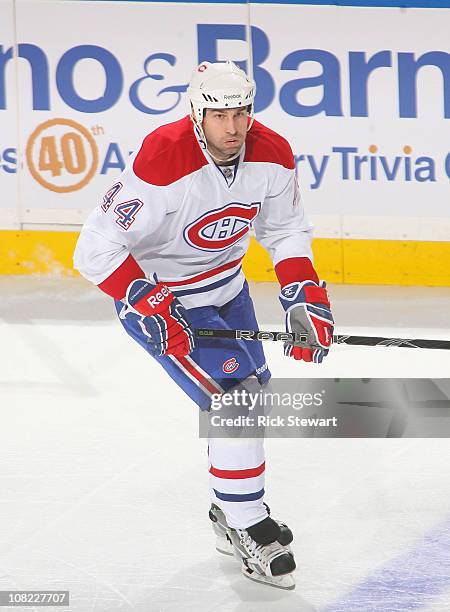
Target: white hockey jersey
176 213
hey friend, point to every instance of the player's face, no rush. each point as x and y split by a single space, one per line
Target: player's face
225 131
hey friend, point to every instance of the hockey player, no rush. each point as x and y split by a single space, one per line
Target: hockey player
167 243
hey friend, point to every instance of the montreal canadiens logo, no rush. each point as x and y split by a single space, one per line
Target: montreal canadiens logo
230 365
219 229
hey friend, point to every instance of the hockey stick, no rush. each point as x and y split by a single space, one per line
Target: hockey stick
248 334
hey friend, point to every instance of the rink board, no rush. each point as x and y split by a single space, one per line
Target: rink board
359 88
338 261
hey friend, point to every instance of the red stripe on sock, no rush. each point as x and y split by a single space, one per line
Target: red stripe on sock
235 474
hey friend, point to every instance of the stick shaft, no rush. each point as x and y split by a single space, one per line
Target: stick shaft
277 336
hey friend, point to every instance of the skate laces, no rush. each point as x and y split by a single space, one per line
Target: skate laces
263 553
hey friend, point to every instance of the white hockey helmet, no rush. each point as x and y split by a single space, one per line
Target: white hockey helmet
219 85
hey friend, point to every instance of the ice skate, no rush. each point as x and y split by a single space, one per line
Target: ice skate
224 544
270 563
221 530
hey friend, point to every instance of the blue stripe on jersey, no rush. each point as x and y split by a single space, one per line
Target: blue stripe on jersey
215 285
239 497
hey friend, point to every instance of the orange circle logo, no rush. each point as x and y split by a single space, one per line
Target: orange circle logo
62 155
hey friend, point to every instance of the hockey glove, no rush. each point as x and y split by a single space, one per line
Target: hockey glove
308 312
163 318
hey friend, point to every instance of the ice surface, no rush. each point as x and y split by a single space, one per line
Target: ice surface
103 480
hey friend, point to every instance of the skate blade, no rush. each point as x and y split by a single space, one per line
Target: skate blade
224 546
228 553
285 582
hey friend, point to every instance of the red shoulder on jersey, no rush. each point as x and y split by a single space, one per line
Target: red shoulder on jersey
169 153
265 145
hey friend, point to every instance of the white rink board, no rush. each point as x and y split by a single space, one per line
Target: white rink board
392 194
340 32
9 210
130 33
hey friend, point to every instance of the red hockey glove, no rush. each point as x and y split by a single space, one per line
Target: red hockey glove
308 312
162 318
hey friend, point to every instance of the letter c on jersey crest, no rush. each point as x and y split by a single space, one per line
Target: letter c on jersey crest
219 229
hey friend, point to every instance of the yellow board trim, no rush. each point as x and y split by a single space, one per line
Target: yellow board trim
366 262
37 252
377 262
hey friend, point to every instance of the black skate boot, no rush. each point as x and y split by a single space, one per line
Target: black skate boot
224 544
263 549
